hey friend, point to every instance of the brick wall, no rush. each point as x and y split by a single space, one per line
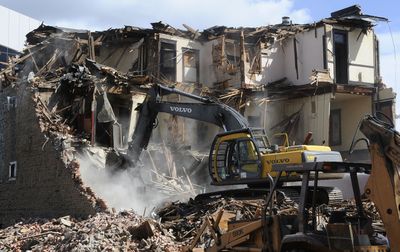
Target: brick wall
44 186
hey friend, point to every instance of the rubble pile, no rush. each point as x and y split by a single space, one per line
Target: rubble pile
174 226
123 231
185 220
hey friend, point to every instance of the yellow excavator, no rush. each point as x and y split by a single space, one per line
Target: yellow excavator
344 229
240 155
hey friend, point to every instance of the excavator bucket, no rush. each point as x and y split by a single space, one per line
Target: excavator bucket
383 186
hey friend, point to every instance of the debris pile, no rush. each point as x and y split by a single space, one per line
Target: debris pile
123 231
188 222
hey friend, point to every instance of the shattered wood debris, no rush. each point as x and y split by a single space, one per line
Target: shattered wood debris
172 180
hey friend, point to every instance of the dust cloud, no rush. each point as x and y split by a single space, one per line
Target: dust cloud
141 188
121 189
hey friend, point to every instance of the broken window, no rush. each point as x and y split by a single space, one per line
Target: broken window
335 133
5 54
254 54
12 170
168 60
341 56
190 65
232 50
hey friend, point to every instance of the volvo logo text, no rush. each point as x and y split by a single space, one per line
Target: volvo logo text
180 109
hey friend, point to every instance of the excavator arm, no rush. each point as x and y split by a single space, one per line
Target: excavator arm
383 186
204 109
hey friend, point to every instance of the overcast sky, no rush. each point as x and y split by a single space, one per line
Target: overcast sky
200 14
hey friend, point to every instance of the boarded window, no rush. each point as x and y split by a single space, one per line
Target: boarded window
335 133
190 65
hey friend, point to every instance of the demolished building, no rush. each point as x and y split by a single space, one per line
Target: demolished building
73 90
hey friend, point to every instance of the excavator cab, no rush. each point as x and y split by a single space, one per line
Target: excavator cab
234 157
246 156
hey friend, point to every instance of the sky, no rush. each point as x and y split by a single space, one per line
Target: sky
104 14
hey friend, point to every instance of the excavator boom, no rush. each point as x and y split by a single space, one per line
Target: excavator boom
204 109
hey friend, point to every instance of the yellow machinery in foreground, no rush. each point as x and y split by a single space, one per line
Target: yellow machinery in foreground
246 157
344 231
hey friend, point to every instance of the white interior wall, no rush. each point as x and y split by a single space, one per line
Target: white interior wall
278 61
13 28
272 66
361 57
309 56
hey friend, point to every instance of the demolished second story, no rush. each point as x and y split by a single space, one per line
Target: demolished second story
287 54
344 44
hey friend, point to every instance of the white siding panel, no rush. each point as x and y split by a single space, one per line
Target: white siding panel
13 28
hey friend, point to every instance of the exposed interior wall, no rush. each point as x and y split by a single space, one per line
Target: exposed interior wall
352 109
272 65
278 60
120 56
313 117
361 55
309 55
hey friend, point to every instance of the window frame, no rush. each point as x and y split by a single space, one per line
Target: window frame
12 175
197 54
168 71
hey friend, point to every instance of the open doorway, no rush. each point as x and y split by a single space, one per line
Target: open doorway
341 56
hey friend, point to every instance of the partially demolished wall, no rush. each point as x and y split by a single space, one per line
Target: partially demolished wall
43 183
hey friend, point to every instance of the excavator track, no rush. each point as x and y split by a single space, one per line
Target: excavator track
325 195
